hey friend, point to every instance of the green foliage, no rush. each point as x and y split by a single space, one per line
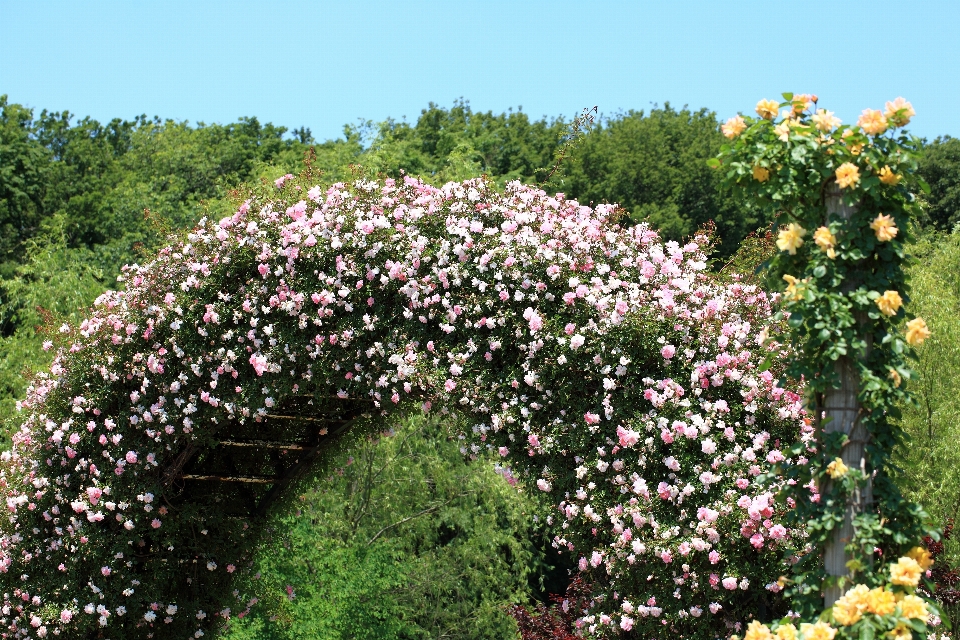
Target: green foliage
54 285
406 539
459 143
930 457
654 165
23 181
940 167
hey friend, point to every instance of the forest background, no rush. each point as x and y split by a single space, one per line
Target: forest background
80 198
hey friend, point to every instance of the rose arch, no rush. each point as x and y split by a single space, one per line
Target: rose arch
610 369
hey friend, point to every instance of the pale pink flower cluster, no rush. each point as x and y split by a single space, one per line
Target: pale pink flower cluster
603 364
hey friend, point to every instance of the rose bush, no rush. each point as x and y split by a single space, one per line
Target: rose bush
607 368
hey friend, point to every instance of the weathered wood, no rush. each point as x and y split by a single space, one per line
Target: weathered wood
266 444
241 479
841 413
304 419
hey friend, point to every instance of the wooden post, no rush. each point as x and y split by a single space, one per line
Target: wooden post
841 413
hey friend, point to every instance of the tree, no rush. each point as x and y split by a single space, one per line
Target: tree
940 167
24 164
655 166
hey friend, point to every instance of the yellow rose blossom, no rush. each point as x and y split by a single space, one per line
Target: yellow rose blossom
872 122
792 292
783 130
825 120
849 608
786 632
845 613
802 102
922 556
791 238
837 469
847 175
917 331
887 176
767 109
817 631
733 127
895 377
825 239
889 303
761 174
899 112
901 632
906 572
913 607
880 601
884 227
756 630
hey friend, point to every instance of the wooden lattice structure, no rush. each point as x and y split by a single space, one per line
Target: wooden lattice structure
248 468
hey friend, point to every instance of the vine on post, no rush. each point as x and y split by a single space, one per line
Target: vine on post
841 198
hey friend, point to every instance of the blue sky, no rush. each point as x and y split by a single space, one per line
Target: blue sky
323 64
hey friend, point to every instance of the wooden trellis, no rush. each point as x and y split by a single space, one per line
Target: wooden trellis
247 470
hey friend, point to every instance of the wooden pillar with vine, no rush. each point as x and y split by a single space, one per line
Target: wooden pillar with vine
841 198
841 411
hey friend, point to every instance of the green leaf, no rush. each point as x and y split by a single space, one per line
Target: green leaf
819 271
867 632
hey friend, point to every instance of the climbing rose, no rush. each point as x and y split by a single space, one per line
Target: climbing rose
917 331
791 238
872 122
767 109
847 175
884 227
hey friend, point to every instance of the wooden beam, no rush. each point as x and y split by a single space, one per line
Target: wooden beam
241 479
266 444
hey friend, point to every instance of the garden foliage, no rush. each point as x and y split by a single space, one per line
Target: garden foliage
606 366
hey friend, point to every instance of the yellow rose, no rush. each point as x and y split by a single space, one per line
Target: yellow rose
825 120
817 631
884 227
792 292
845 613
913 607
783 130
837 469
893 375
802 102
767 109
880 601
917 331
733 127
905 572
825 239
922 556
899 112
889 303
872 122
791 238
786 632
901 632
887 176
756 630
847 175
761 174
